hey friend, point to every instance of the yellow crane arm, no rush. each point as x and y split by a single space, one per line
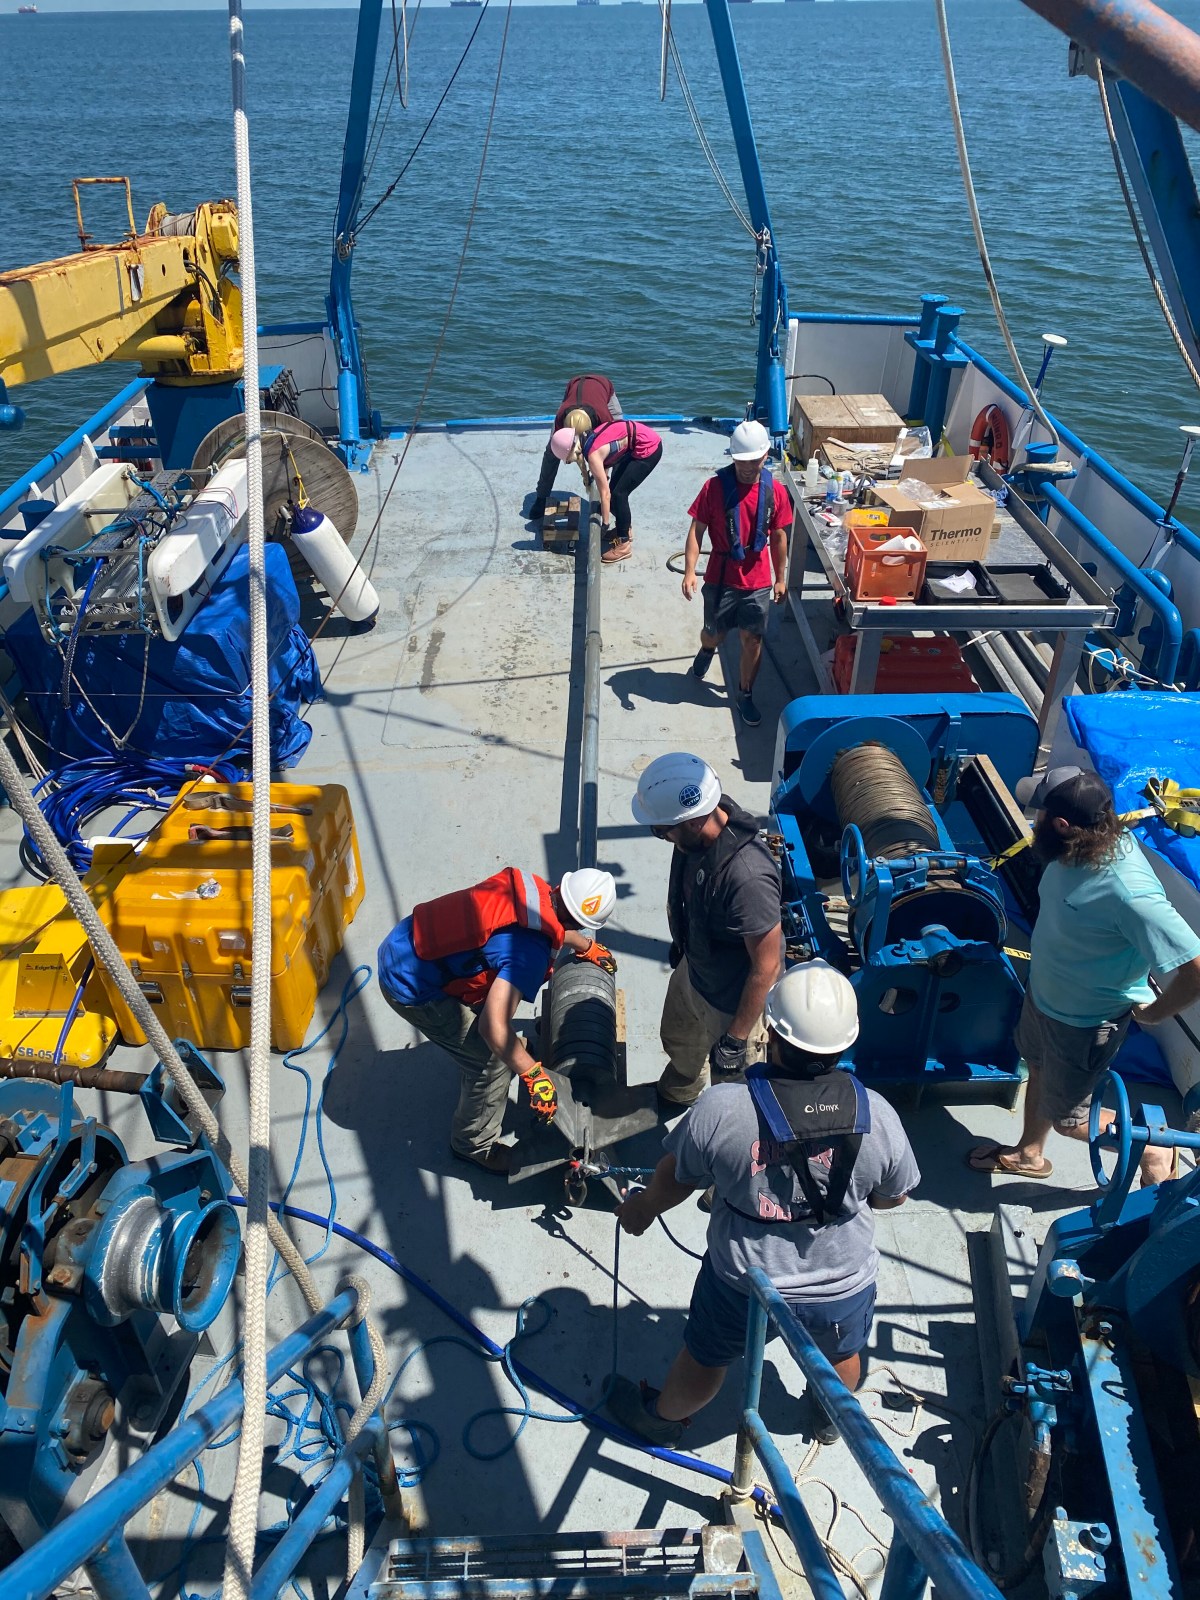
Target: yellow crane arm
164 298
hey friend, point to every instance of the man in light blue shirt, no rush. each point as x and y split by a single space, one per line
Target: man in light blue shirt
1103 926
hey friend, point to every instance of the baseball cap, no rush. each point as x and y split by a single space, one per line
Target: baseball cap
1076 796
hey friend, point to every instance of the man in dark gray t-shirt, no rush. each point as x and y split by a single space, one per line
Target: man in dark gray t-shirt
723 907
796 1201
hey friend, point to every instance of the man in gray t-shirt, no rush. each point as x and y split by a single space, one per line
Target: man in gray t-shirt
799 1208
723 907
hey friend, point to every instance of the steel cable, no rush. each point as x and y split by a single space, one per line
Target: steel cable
873 790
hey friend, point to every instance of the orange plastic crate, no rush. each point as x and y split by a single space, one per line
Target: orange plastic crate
872 573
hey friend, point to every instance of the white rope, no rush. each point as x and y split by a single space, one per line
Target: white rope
964 162
1147 260
243 1510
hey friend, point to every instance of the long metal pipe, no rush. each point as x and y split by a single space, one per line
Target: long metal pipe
918 1525
1138 41
39 1571
589 786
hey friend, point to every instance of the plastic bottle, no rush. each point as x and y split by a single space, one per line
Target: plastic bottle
831 493
812 476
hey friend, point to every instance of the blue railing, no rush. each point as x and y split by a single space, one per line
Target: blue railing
924 1546
94 1535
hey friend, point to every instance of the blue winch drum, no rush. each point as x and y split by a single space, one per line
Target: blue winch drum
199 1264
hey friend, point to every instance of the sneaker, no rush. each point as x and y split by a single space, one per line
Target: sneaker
704 660
496 1158
815 1421
632 1405
537 511
619 550
747 710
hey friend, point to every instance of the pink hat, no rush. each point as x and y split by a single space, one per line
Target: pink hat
563 442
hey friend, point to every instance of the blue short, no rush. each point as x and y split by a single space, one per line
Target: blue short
716 1327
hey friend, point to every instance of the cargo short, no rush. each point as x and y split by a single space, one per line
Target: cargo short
716 1326
744 609
1068 1062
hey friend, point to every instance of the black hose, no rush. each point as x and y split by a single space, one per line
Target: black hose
872 789
1041 1512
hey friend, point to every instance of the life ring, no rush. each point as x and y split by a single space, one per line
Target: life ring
991 439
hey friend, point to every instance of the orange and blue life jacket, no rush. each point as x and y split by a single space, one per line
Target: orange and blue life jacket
461 923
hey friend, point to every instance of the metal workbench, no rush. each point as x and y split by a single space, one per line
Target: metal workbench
823 607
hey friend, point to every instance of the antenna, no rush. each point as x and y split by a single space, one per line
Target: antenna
1051 342
1190 434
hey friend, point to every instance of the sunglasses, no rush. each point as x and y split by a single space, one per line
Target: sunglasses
663 833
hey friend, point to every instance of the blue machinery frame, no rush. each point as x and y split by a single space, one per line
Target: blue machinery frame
357 422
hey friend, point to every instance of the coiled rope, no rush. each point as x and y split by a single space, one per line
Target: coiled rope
872 789
985 260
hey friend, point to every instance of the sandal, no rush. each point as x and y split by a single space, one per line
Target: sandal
619 550
990 1158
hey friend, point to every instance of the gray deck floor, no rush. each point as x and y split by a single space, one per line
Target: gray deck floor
452 726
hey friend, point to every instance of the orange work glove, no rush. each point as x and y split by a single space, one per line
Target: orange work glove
543 1096
599 955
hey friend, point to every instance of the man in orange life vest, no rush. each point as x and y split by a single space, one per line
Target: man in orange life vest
459 966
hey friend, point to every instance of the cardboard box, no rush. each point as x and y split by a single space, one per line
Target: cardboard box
849 418
959 527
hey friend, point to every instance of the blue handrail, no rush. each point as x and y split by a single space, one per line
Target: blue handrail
97 1527
924 1546
49 464
1165 664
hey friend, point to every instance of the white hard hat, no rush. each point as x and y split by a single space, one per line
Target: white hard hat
589 895
814 1008
749 441
563 442
674 788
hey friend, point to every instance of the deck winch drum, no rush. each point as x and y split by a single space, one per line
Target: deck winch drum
873 790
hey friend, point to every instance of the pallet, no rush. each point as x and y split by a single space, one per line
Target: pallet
560 524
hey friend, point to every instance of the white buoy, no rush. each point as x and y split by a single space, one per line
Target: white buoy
332 564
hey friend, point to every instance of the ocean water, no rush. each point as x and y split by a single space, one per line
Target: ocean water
601 238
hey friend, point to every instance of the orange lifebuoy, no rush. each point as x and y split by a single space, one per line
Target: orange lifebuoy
990 438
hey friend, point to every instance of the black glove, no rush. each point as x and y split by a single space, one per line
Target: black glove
727 1057
674 955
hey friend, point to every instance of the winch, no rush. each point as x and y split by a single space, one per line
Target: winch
903 798
1098 1370
110 1270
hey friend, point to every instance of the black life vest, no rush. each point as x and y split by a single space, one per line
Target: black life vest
802 1116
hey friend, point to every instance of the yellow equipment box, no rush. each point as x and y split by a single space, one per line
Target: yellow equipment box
43 958
185 932
312 827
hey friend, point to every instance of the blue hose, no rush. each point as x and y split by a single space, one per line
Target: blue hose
674 1458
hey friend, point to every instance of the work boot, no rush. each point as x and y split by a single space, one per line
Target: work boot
747 710
496 1158
537 510
815 1421
618 550
704 660
633 1406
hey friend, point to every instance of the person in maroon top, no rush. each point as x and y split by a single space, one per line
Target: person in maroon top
593 397
748 515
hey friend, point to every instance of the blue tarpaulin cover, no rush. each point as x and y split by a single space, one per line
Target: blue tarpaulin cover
1134 736
196 705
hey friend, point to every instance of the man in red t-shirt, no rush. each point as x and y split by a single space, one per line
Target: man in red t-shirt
749 542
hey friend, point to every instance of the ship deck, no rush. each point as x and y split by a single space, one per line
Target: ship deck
456 726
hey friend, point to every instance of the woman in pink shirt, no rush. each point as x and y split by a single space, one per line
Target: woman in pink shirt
619 456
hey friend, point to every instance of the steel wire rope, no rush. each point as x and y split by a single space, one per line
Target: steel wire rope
1147 259
372 155
709 153
350 241
985 260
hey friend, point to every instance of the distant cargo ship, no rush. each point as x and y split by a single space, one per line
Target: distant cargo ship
474 4
27 11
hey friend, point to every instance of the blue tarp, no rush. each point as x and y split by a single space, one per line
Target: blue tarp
1133 736
196 705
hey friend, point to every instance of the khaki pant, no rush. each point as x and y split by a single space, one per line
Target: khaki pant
688 1030
485 1079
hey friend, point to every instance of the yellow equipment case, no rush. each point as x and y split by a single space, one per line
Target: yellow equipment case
180 910
43 958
